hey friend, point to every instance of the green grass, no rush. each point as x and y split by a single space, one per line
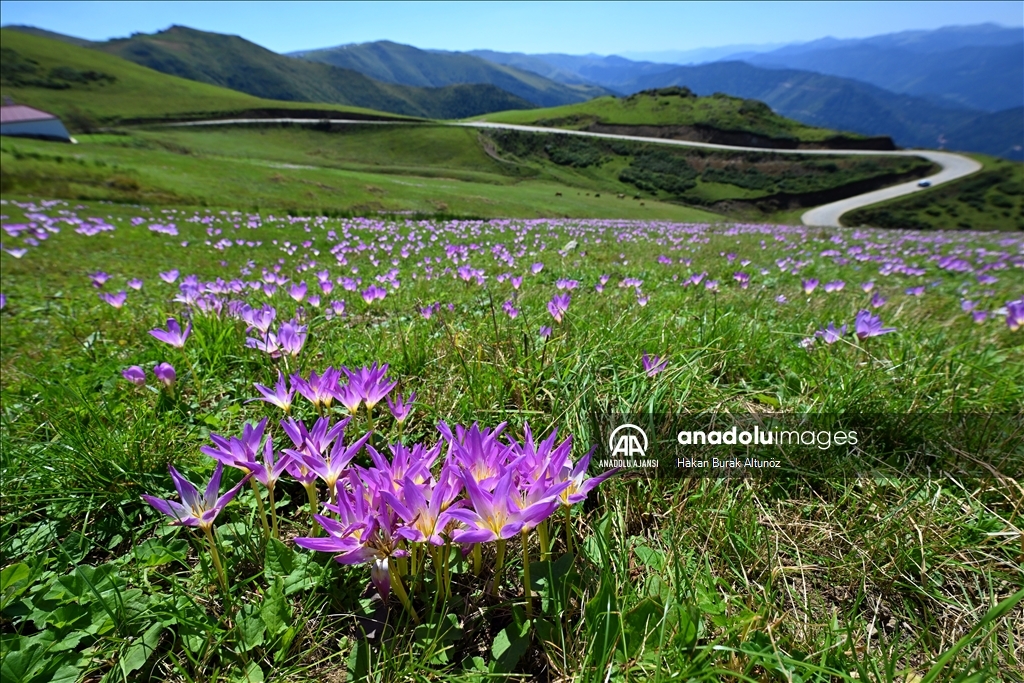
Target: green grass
669 108
428 171
135 93
992 199
883 579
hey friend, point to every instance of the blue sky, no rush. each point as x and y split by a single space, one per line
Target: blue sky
574 27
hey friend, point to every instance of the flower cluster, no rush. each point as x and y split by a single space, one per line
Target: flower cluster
394 507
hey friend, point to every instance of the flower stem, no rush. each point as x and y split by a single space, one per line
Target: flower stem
403 597
273 511
526 574
445 563
568 528
499 563
263 511
545 542
215 556
314 505
477 559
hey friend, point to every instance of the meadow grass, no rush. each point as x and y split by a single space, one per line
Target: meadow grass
890 578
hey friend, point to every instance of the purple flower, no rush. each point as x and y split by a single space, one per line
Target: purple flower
781 299
1015 314
517 281
654 364
99 278
170 276
867 286
579 484
320 389
298 292
742 278
567 284
280 396
400 408
981 316
135 375
135 283
545 331
371 383
830 335
3 301
536 268
915 291
291 337
510 309
198 510
809 285
877 300
165 373
490 517
115 300
834 286
558 305
867 325
173 334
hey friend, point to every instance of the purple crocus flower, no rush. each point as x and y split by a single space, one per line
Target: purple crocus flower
491 517
280 396
579 484
510 309
981 316
3 301
1015 314
291 337
915 291
331 467
422 506
866 324
830 335
115 300
99 278
135 375
400 408
170 276
809 285
877 300
371 383
558 305
545 331
198 510
135 283
834 286
654 364
173 335
868 286
165 373
517 281
536 268
297 292
320 389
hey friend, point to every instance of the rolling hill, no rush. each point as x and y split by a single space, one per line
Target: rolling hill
87 87
678 113
406 65
235 63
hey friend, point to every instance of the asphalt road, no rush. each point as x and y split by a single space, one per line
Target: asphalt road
953 165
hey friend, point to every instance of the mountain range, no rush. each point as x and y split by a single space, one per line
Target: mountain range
959 87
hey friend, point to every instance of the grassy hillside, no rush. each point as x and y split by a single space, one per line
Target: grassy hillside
407 65
234 63
117 90
992 199
820 100
681 115
361 171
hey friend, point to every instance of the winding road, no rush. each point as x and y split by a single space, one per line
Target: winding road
953 166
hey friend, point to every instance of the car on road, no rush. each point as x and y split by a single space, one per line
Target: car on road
925 183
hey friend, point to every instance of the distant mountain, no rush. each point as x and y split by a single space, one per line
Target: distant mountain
406 65
826 101
1000 134
700 55
612 72
978 67
233 62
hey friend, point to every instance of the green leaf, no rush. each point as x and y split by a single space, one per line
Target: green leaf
655 559
276 612
278 559
603 622
553 582
136 655
13 582
154 552
508 647
639 623
358 661
251 628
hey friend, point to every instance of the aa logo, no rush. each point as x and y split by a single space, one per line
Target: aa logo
628 441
